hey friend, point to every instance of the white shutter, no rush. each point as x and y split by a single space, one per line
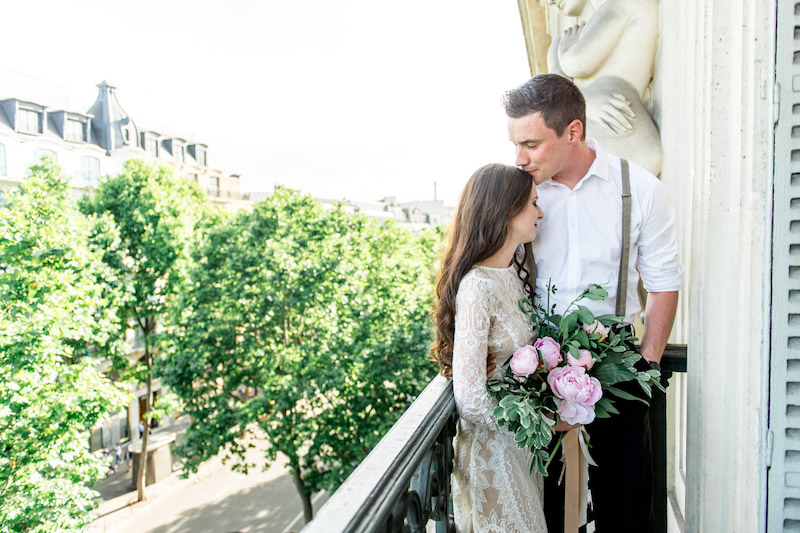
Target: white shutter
783 497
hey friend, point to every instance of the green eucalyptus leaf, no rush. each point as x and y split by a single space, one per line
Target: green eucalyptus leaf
585 315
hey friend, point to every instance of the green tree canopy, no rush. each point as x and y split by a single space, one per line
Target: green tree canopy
158 214
310 326
56 300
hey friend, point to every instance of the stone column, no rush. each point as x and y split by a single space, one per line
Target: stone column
712 103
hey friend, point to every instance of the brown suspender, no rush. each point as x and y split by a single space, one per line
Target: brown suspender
624 256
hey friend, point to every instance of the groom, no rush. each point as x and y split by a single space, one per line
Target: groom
579 242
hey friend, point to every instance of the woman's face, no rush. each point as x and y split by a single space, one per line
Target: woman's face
523 226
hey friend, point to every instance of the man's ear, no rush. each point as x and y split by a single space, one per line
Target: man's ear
575 130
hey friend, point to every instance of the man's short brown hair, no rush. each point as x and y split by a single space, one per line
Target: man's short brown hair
557 99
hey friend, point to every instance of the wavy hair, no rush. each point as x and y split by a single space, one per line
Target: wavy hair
492 197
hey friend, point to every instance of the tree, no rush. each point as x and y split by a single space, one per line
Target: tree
57 299
158 214
306 325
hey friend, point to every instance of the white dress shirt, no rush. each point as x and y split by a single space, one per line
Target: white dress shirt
580 237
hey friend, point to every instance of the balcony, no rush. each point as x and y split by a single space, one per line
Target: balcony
403 485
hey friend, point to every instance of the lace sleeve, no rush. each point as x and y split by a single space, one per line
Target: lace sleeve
470 352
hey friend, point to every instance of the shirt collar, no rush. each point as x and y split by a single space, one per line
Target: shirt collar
601 164
600 167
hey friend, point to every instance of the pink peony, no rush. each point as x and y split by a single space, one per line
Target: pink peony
597 328
525 361
584 359
575 413
551 352
578 392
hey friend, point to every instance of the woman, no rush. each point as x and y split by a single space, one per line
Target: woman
481 283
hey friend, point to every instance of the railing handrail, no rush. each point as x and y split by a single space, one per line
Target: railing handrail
674 358
366 498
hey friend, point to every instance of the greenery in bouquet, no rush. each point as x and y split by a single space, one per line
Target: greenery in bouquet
570 373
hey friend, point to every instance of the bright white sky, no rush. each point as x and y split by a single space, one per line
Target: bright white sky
356 99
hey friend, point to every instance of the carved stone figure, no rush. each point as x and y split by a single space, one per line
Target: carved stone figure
610 56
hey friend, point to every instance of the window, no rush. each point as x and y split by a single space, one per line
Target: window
151 146
44 152
193 177
90 171
213 190
179 154
201 157
28 121
2 159
74 131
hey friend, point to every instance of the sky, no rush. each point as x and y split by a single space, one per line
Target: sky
356 99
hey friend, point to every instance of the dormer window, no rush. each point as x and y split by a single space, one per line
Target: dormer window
151 145
199 153
150 142
29 121
74 130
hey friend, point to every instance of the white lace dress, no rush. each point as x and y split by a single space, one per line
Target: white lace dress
492 488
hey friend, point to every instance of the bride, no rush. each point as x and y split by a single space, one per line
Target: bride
481 282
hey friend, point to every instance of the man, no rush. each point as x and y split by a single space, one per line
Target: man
580 242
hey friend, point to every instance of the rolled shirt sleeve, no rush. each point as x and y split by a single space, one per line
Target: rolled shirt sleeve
658 259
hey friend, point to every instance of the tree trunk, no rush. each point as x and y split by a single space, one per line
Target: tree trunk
141 473
305 497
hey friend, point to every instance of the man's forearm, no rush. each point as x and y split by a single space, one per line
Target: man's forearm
661 307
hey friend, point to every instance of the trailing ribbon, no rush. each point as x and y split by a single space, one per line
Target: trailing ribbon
576 491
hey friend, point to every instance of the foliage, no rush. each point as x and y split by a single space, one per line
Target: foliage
58 301
310 326
158 214
528 406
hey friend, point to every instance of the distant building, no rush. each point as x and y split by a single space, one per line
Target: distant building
97 143
416 216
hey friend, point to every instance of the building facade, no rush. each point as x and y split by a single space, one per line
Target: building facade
96 143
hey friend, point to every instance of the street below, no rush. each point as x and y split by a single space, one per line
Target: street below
215 499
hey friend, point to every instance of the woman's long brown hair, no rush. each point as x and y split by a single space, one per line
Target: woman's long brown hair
492 197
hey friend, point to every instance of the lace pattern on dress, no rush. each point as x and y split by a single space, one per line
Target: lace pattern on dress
492 488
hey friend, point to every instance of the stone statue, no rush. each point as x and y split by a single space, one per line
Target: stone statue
610 56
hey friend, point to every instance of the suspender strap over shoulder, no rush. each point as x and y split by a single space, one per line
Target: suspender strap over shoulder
624 258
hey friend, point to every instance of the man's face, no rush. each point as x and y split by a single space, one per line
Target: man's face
540 151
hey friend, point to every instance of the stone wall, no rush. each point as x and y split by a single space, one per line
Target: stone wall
712 102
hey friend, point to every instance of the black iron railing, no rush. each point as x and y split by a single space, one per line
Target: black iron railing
405 481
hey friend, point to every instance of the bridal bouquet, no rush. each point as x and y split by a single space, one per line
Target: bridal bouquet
568 374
